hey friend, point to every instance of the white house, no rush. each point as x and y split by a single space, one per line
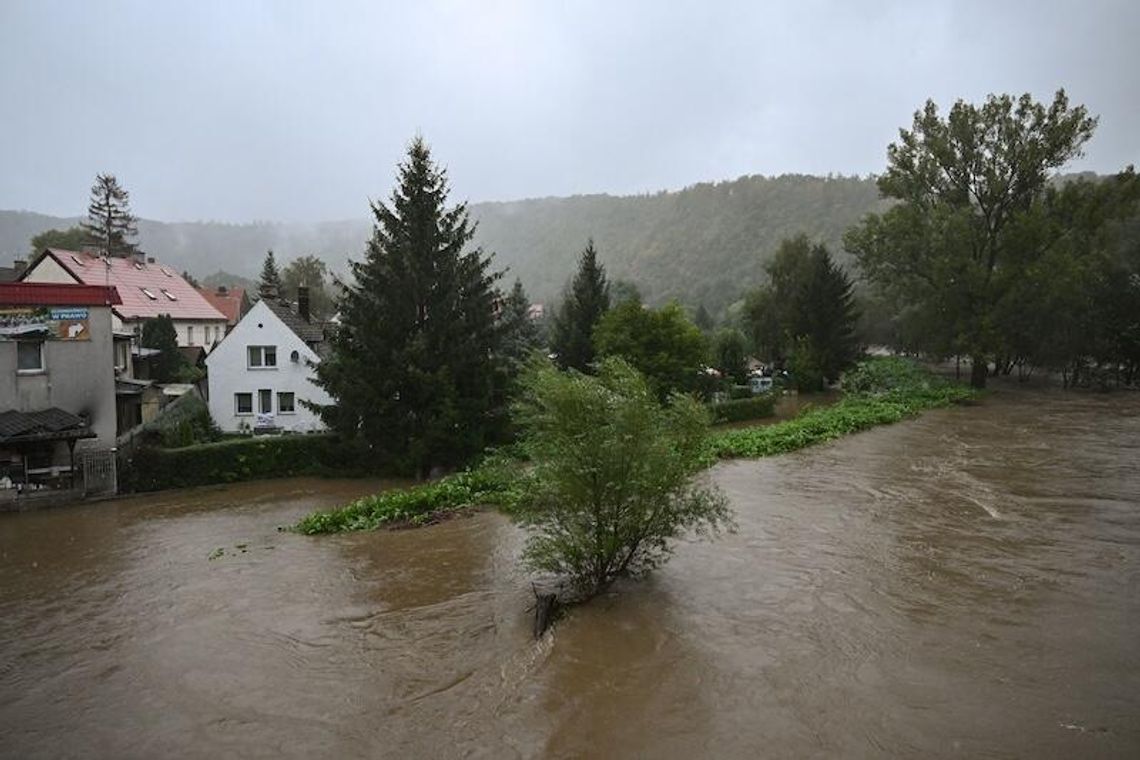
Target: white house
263 369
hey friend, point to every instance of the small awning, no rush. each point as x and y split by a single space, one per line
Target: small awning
52 424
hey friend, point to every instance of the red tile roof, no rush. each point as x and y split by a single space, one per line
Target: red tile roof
228 303
52 294
147 290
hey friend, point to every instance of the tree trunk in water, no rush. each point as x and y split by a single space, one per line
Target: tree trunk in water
979 370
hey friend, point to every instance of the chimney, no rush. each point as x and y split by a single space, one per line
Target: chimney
20 265
303 302
150 259
222 290
139 257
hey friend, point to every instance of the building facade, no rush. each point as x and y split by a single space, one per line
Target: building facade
263 370
146 288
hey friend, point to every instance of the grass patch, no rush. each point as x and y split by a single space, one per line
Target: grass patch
879 392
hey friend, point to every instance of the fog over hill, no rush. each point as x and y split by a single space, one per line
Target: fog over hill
704 244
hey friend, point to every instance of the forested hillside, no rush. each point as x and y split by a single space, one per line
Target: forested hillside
705 244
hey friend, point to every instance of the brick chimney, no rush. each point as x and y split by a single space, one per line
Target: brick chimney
303 302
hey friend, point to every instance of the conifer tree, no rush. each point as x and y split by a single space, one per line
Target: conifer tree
519 332
159 333
269 286
110 225
583 304
415 368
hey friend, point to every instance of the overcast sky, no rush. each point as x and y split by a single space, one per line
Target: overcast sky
239 110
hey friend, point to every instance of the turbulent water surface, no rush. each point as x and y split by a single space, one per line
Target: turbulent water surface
961 585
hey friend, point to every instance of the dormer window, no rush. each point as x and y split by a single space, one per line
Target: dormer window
169 295
148 294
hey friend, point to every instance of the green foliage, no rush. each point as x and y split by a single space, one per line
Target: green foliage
71 239
492 484
519 332
890 390
416 368
583 304
660 343
968 226
805 314
740 409
312 273
703 320
239 459
186 422
612 481
730 354
110 225
170 366
269 285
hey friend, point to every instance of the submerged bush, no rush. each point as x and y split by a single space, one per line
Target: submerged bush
737 410
612 478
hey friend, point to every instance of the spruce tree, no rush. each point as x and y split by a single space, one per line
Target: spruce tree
415 368
159 333
269 286
110 225
519 332
583 304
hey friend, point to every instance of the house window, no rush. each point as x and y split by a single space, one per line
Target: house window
262 356
148 294
285 403
30 356
265 401
243 403
189 335
168 294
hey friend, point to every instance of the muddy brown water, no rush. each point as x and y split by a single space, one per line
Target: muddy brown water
966 584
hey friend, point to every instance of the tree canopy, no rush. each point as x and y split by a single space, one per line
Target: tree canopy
169 366
312 273
269 284
805 315
958 240
110 225
415 368
662 344
71 239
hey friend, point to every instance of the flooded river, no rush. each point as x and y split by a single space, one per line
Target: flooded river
962 585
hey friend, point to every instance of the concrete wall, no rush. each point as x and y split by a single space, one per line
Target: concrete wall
78 377
49 270
229 373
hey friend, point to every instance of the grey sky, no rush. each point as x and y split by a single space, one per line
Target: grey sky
239 110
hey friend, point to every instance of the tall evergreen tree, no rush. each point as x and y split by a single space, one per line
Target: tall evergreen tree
110 224
583 304
159 333
269 285
415 368
519 332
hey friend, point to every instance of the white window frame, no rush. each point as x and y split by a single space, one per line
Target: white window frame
30 370
189 335
249 354
147 293
237 405
292 402
262 394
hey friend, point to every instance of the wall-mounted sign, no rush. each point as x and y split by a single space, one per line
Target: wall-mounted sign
45 323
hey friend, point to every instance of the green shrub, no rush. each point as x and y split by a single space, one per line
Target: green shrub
739 391
736 410
232 460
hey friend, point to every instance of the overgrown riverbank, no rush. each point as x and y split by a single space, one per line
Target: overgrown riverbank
878 392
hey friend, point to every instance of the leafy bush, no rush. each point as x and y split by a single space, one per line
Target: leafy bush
903 391
493 484
185 422
736 410
739 391
233 460
612 478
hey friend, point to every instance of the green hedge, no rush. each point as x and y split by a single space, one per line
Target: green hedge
751 408
229 461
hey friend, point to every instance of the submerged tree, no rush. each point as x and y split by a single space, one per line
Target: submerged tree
583 304
614 474
110 225
415 368
949 251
